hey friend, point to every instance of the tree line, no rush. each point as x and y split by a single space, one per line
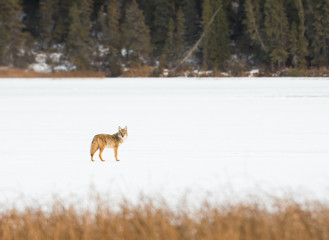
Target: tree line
105 35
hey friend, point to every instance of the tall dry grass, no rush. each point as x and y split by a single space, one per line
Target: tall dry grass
283 220
21 73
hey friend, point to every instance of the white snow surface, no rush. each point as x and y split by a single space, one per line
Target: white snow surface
222 138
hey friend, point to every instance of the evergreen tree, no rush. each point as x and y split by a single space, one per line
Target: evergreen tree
86 10
62 20
47 22
320 33
180 33
108 37
159 28
169 53
276 31
12 40
253 23
192 17
175 43
216 42
135 35
293 44
31 18
302 42
147 6
78 43
108 19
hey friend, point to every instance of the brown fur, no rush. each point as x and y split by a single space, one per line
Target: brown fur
101 141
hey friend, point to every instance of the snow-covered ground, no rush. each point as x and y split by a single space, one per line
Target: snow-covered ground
215 138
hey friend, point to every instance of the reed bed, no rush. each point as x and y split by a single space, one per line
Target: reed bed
279 220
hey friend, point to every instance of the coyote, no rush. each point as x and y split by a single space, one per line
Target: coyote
102 141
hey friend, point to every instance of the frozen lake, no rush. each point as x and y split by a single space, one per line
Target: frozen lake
212 137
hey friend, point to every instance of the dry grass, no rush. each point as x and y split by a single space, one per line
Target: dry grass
21 73
143 71
148 71
283 220
312 72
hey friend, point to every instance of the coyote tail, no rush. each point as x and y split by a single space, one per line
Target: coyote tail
93 147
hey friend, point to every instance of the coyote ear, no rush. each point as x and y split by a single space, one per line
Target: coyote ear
126 127
120 128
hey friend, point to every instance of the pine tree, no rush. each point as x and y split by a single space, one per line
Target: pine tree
320 33
135 35
86 10
192 17
108 37
159 29
175 43
78 43
180 35
62 20
293 44
209 39
216 42
47 22
31 18
148 6
12 40
169 53
302 42
253 23
108 20
276 31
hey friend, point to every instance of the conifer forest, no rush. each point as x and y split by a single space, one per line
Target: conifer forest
109 35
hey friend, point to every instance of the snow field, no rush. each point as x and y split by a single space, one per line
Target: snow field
216 138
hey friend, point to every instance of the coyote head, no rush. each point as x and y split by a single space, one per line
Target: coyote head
123 132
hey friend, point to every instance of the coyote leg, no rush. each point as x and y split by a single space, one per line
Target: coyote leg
100 154
116 153
92 154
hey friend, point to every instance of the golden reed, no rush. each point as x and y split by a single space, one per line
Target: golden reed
284 220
